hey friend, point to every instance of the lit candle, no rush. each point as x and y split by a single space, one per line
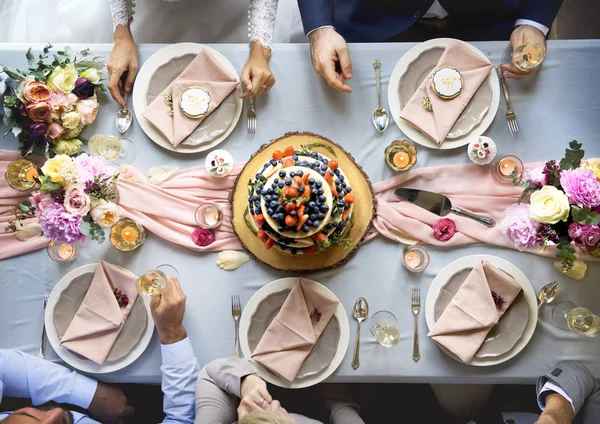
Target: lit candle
412 260
415 259
129 234
65 251
507 166
401 159
31 175
211 217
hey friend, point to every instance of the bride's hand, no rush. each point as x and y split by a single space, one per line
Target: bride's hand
123 60
257 77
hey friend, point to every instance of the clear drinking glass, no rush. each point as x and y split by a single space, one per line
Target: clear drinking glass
384 326
155 281
569 316
415 258
508 169
120 151
528 57
62 252
208 215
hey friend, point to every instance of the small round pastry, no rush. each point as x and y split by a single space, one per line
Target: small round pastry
219 163
195 102
446 82
482 151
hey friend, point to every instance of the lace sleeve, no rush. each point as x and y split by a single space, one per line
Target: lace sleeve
261 21
122 12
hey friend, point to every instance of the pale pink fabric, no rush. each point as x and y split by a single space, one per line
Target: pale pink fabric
100 319
471 314
9 198
292 334
205 72
168 209
436 125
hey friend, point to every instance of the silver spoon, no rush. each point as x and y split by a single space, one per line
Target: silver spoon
124 118
548 293
380 116
361 310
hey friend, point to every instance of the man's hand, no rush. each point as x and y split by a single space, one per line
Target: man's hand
257 77
123 60
330 58
167 311
558 411
523 34
253 391
109 404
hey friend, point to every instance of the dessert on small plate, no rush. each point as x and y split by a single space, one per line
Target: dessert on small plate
446 82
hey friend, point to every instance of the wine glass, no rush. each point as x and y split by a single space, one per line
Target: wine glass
120 151
568 316
528 57
154 282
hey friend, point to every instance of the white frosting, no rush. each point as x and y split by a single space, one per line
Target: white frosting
195 101
447 82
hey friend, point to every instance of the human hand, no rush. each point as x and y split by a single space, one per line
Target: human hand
167 311
330 58
523 34
109 404
123 61
257 77
558 411
255 396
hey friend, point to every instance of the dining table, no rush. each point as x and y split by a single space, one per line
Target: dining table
558 104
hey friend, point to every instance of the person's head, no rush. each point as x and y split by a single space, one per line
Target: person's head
40 415
267 418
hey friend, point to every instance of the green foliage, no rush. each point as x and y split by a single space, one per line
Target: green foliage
573 156
11 100
252 186
97 232
248 223
585 216
48 185
21 212
566 253
307 148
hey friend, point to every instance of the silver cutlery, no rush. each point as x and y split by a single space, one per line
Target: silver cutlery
380 115
439 204
236 312
548 293
251 117
42 352
511 118
124 118
360 313
416 308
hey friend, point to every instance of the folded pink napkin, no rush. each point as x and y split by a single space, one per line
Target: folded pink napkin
205 72
99 320
471 314
436 124
295 330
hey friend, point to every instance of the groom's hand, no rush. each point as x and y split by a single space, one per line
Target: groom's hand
123 60
330 58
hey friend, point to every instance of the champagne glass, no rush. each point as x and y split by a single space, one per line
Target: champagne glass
120 151
384 326
528 57
154 282
569 316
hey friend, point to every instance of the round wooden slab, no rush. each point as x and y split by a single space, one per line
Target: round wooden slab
363 207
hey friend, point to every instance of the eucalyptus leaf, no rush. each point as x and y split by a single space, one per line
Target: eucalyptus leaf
84 228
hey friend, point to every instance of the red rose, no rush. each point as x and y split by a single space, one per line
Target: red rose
203 237
444 229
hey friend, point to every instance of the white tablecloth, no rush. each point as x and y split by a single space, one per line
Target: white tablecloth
562 103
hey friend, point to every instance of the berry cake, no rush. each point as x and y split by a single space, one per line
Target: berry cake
300 201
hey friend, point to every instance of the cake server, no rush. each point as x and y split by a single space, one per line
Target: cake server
439 204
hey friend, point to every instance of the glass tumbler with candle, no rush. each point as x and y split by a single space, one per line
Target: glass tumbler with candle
508 169
415 258
401 155
21 174
155 281
384 326
209 215
127 235
62 252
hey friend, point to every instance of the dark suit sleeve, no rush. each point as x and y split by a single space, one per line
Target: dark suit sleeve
541 11
315 13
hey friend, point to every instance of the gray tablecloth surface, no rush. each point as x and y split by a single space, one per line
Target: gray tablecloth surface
558 105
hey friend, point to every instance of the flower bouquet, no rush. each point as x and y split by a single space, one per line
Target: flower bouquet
562 209
50 103
76 200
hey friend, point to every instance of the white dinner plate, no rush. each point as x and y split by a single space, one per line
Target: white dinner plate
469 262
414 134
142 81
340 314
77 361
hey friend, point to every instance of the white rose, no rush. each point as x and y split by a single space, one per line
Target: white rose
92 75
549 205
105 213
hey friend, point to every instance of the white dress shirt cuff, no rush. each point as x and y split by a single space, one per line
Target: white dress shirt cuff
324 26
177 353
83 393
539 26
551 387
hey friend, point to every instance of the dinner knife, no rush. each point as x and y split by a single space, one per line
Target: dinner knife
439 204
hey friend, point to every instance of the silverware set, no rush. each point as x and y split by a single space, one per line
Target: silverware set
511 118
42 353
360 313
380 115
236 312
251 117
416 308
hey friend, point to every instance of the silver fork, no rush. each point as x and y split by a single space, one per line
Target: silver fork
416 308
42 352
236 312
251 117
511 118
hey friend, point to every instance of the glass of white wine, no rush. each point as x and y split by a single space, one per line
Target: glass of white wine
120 151
384 326
528 57
569 316
155 281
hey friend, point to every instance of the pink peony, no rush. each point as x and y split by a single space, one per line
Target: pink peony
88 109
576 230
40 200
519 228
56 131
582 187
90 167
203 237
536 176
76 201
58 224
444 229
